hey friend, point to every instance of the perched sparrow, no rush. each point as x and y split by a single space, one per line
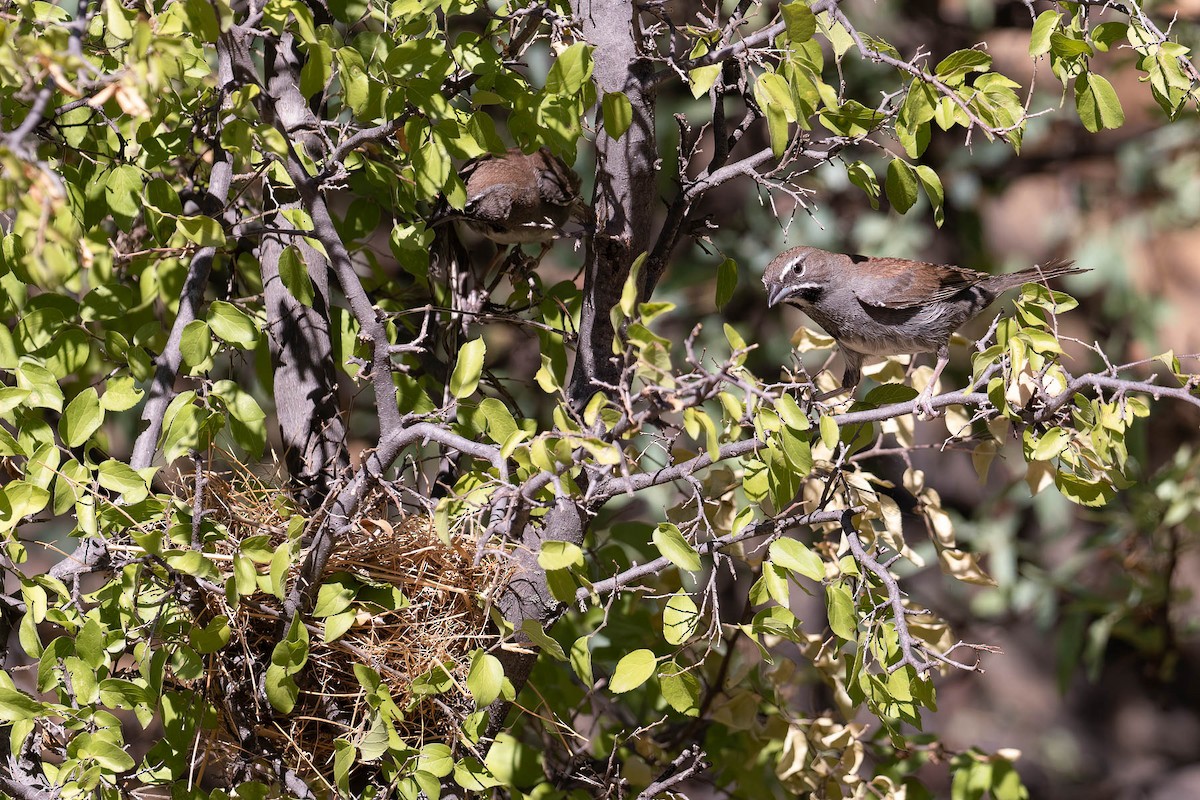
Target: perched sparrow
517 198
888 306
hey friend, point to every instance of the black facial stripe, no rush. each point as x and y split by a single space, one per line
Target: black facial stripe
806 294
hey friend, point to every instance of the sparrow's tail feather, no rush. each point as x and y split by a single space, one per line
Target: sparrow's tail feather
1054 268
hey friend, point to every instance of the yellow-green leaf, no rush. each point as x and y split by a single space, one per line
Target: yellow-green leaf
632 671
468 369
680 618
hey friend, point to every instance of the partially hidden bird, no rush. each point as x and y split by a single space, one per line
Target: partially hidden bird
520 198
878 306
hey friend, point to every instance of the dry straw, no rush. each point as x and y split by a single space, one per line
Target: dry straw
446 618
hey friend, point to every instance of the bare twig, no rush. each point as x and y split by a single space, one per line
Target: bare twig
764 528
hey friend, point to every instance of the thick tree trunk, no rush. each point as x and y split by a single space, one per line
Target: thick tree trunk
305 382
623 202
305 385
625 191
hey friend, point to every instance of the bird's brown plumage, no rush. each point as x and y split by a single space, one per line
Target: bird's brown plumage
520 197
888 306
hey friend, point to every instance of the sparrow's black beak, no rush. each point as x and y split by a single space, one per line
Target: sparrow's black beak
777 293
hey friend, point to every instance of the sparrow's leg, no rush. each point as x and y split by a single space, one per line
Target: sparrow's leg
923 405
850 377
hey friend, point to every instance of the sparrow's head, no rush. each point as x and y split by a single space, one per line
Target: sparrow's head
797 276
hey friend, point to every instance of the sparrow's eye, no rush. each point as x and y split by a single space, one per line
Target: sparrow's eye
795 267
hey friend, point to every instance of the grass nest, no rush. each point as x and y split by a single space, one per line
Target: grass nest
442 618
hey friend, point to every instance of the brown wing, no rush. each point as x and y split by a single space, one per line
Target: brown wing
557 183
901 283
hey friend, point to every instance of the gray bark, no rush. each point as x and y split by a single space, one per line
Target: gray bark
623 201
305 382
625 187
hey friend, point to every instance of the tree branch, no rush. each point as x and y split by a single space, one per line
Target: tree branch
735 49
911 648
676 772
764 528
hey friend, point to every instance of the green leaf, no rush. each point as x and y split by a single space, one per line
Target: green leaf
196 346
203 231
211 637
1066 46
559 555
231 324
727 275
789 411
287 659
485 679
629 290
795 556
81 418
839 605
317 69
851 118
701 79
581 660
680 618
670 542
947 113
569 71
1050 445
202 20
933 190
343 759
632 671
1106 34
919 103
830 432
123 191
500 422
16 706
281 690
119 477
117 693
96 747
680 688
336 625
914 138
293 272
797 451
800 20
1039 39
537 634
468 368
335 594
191 562
247 420
1097 103
120 394
888 394
436 759
43 388
862 176
954 68
618 114
473 776
901 185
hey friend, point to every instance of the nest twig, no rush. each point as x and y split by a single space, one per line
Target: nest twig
445 619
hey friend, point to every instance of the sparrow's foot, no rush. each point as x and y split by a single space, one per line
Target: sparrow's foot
923 404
